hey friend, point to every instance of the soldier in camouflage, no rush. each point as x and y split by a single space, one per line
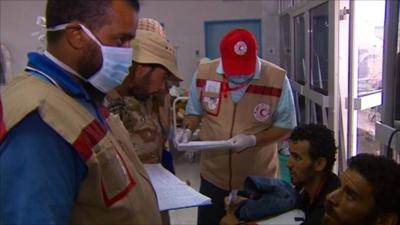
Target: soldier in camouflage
142 101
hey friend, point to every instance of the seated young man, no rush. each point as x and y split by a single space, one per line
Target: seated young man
312 156
369 193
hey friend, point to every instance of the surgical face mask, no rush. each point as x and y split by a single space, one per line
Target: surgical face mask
115 66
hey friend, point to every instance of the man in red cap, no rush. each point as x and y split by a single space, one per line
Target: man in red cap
247 100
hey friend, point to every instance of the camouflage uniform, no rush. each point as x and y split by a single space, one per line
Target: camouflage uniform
148 122
142 120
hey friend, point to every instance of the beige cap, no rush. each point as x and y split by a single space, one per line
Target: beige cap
152 25
149 47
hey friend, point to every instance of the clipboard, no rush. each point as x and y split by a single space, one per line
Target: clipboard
204 145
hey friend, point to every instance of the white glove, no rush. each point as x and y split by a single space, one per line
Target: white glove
183 135
242 141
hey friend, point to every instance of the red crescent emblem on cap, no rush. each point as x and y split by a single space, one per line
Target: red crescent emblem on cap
240 48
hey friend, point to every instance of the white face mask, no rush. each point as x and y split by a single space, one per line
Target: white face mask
115 67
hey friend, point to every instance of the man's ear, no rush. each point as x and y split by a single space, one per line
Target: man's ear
75 36
320 164
387 219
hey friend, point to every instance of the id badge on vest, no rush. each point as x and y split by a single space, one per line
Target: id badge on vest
211 97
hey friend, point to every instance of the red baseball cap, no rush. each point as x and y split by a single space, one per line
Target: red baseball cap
238 50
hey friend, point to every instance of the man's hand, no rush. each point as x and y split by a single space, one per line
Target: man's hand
231 207
183 135
229 219
242 141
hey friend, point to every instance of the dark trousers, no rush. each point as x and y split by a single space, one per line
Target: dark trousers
211 214
167 161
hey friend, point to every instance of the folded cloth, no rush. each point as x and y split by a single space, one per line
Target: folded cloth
267 197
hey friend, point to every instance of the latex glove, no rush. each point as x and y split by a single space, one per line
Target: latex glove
183 136
242 141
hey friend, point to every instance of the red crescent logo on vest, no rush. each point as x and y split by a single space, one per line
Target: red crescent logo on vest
262 112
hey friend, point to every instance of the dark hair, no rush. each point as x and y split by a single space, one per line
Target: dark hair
93 13
321 140
383 174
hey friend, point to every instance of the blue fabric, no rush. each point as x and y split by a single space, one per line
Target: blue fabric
193 106
62 77
285 116
270 197
40 175
64 80
40 172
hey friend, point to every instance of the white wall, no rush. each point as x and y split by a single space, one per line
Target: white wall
184 23
17 23
270 30
183 19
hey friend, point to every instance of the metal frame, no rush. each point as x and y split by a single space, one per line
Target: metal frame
313 97
328 102
352 85
368 101
389 87
339 119
333 69
389 60
383 133
342 32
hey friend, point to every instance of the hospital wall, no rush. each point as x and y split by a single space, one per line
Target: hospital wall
17 23
183 19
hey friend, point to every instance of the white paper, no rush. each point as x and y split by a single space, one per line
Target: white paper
173 193
203 145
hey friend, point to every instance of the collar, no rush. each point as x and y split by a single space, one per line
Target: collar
256 76
57 72
310 199
62 65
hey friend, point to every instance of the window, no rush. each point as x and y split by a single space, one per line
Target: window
285 47
299 50
319 48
